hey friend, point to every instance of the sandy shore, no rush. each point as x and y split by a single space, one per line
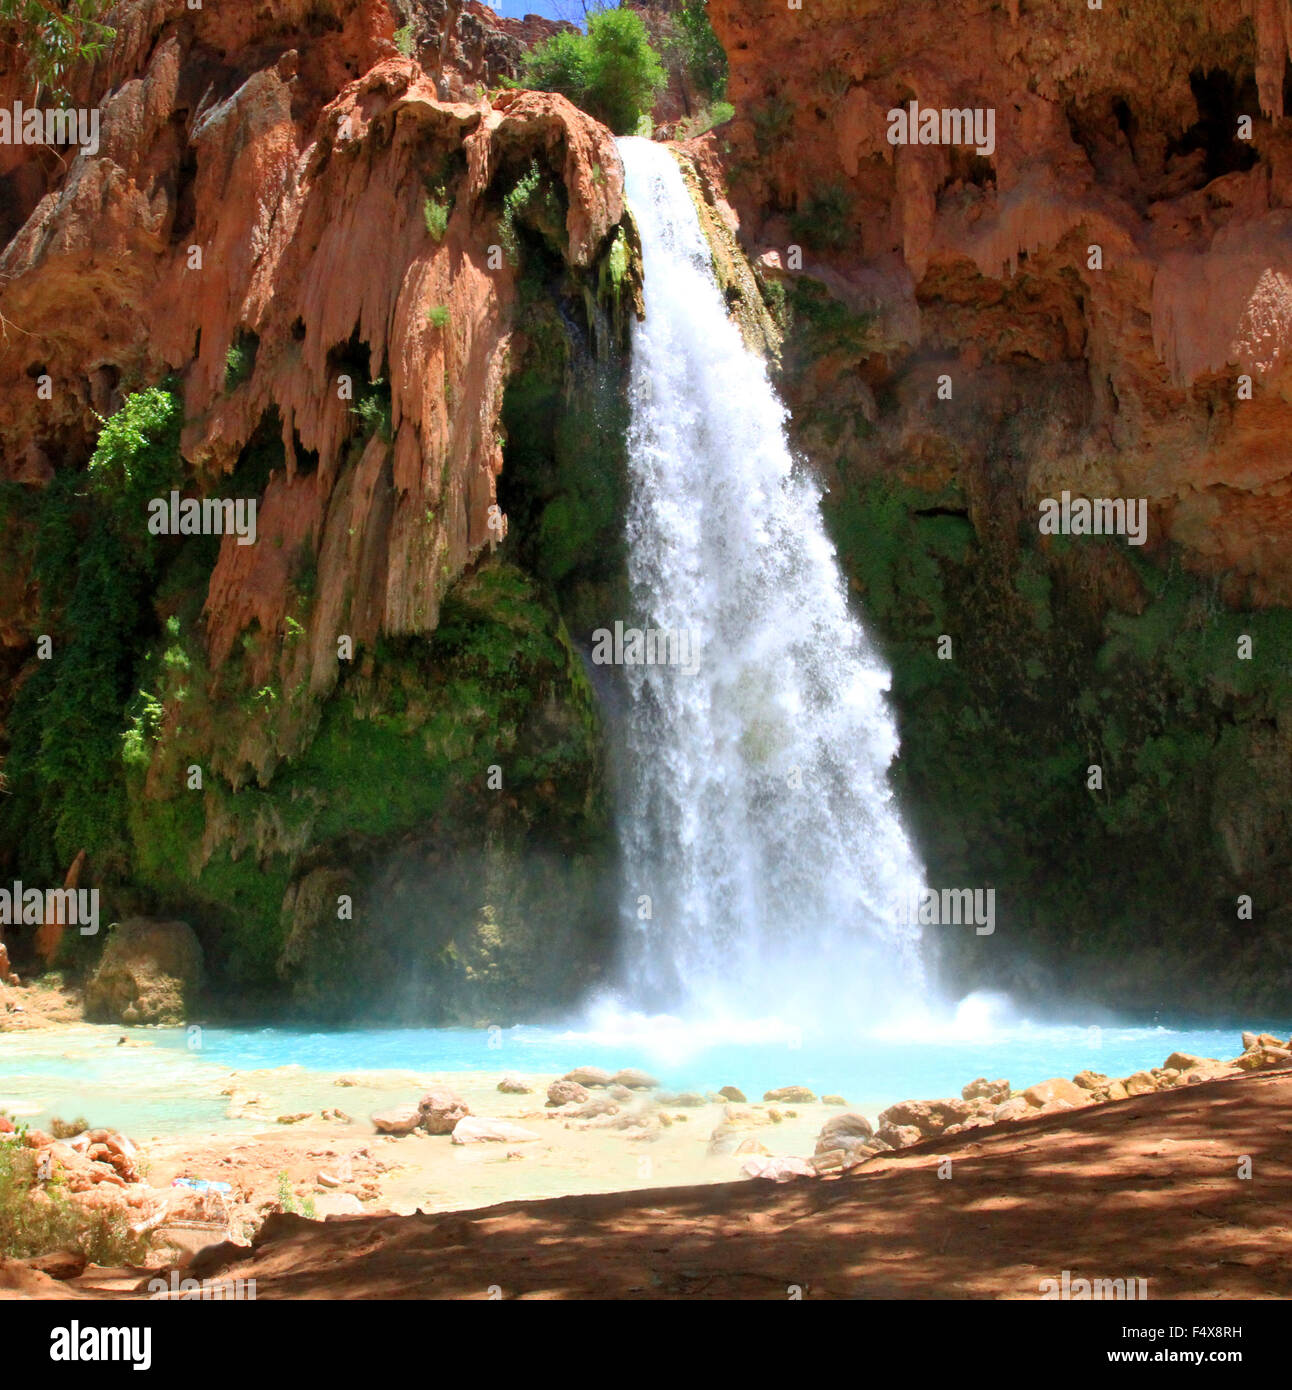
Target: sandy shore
1146 1188
286 1139
252 1128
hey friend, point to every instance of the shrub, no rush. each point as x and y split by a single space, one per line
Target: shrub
717 114
532 199
38 1220
825 219
404 40
436 211
701 55
612 71
240 360
373 408
773 120
438 315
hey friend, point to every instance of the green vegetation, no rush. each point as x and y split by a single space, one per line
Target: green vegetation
94 562
438 315
373 407
996 743
534 202
52 40
287 1199
404 40
823 326
612 71
700 54
564 481
825 219
39 1218
435 212
773 120
240 360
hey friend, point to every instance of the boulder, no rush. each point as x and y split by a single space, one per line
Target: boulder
833 1100
589 1076
791 1095
982 1089
399 1119
1090 1080
440 1110
733 1094
1260 1058
1013 1109
844 1132
899 1136
149 972
929 1117
1185 1061
725 1139
566 1093
1139 1083
1057 1088
635 1080
513 1086
337 1204
475 1129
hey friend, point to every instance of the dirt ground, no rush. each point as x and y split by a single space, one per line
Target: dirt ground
1145 1188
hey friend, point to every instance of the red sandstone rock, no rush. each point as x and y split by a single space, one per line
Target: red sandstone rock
302 182
988 261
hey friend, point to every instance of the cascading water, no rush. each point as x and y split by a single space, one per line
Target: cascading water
763 856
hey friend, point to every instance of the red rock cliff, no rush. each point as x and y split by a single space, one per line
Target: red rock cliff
1115 127
261 179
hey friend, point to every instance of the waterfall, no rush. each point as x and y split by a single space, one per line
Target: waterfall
763 856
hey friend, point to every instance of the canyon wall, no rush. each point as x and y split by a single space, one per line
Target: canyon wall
1098 303
302 267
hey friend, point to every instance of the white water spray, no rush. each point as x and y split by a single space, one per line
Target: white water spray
758 829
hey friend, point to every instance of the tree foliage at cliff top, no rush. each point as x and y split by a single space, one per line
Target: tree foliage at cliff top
51 38
612 71
694 47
